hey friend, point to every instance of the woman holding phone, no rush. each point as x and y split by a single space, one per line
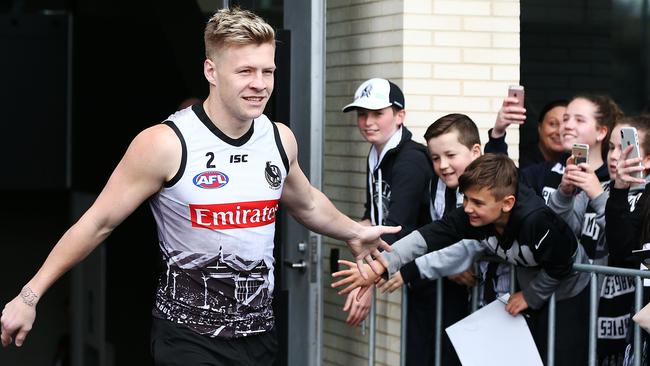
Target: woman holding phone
628 221
589 120
627 211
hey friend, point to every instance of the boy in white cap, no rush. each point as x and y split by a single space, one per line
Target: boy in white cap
397 193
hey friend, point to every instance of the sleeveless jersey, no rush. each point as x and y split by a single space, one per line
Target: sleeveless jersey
216 224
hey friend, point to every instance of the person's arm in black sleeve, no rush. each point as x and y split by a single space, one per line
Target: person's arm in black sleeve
509 113
410 177
623 227
496 145
553 245
533 176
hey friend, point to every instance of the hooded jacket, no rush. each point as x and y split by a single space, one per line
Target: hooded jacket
405 171
624 216
535 239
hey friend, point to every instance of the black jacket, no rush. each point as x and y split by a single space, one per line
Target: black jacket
406 172
624 217
535 239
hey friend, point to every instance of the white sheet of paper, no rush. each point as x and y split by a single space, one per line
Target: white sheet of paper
493 337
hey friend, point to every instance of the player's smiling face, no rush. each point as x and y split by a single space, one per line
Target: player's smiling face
243 78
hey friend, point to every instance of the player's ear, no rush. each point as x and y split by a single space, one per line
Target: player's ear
208 71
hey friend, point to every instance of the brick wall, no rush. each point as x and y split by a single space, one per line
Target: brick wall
447 56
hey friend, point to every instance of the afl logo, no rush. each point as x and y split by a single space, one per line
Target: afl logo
273 175
210 180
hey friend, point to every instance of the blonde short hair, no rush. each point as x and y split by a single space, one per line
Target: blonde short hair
235 26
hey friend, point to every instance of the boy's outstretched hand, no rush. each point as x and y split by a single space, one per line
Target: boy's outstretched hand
365 245
358 308
396 281
354 279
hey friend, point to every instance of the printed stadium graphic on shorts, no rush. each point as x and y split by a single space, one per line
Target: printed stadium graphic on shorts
186 295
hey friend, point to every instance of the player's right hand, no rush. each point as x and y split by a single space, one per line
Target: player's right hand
16 321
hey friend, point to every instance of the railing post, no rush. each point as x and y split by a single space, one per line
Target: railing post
550 340
593 317
513 278
371 329
438 342
475 289
638 303
402 338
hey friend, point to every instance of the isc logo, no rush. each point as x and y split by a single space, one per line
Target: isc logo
210 180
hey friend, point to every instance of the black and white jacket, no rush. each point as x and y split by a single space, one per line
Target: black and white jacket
404 171
536 240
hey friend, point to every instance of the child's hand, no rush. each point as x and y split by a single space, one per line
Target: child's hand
465 278
354 279
396 281
516 303
358 308
626 168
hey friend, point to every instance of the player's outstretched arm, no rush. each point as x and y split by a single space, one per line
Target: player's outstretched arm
314 210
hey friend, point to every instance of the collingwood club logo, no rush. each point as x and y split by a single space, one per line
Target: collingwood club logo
273 175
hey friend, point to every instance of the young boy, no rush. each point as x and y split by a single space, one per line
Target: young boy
397 191
454 142
505 218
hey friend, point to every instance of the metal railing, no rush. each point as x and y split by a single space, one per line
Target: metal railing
594 270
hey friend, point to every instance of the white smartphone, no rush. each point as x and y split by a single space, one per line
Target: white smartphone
629 136
580 153
517 91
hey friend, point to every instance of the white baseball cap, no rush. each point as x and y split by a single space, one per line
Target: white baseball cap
376 94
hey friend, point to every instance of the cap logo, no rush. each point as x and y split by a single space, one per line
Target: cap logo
366 91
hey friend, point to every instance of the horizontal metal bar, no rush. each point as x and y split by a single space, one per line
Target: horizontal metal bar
611 270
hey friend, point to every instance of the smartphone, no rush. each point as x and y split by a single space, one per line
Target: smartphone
517 91
629 137
580 153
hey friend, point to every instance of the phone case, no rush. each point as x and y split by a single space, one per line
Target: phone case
517 91
580 153
629 137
